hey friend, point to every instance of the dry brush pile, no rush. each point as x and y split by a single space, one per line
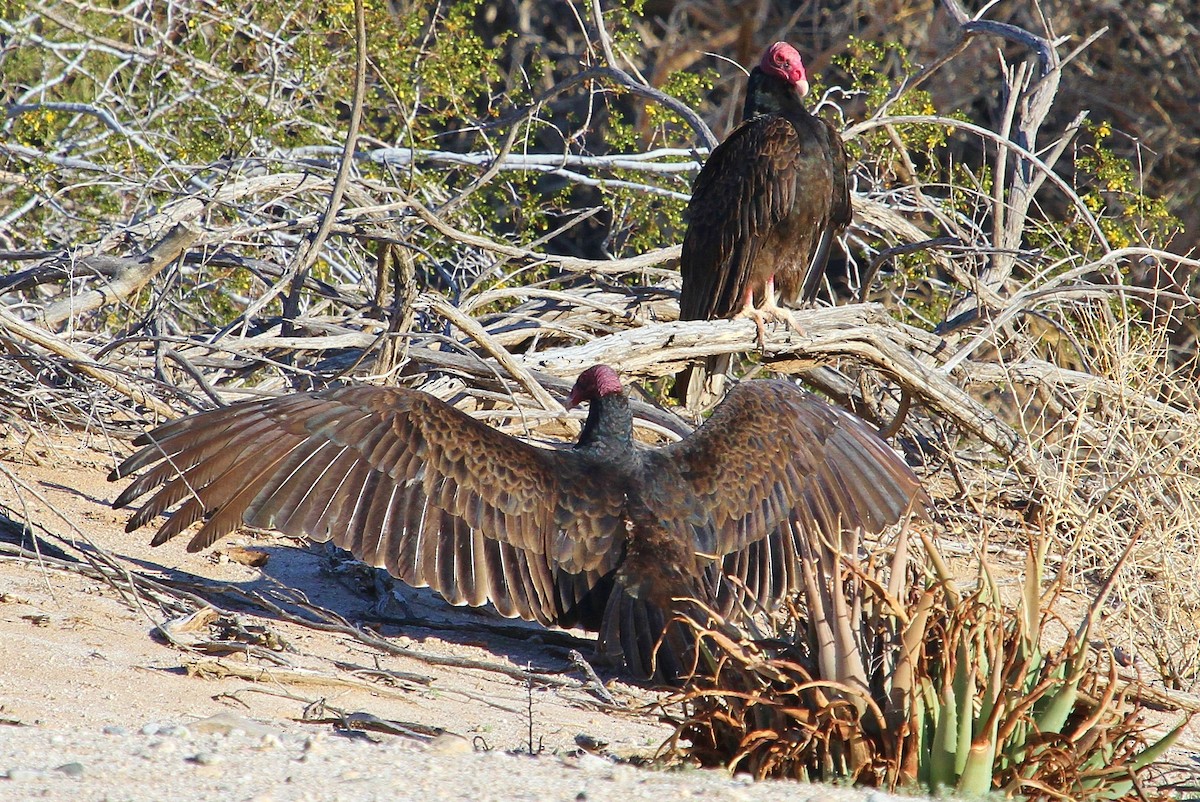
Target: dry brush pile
200 204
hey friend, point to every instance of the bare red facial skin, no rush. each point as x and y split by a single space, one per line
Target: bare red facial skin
783 60
595 382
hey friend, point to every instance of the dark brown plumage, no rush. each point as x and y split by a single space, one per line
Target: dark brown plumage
764 210
604 535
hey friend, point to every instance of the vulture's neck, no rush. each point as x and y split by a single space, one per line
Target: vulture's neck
767 94
609 427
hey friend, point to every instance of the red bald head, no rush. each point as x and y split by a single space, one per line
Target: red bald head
783 61
595 382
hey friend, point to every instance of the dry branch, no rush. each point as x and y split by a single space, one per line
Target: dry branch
78 360
131 276
863 332
216 668
310 251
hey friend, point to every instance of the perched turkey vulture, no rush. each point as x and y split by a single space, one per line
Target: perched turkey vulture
604 535
764 210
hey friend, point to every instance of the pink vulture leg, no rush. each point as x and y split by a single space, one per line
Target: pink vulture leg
768 311
749 311
773 311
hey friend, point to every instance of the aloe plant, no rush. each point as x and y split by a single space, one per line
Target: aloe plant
949 691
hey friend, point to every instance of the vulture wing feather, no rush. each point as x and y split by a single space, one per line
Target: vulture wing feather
774 464
401 479
840 210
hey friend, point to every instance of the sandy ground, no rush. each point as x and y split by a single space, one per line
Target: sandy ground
95 705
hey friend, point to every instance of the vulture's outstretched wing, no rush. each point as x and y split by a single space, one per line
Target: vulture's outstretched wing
402 480
747 186
774 466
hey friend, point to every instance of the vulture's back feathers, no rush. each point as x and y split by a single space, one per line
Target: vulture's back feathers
747 187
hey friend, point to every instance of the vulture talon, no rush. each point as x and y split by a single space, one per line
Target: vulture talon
781 315
759 318
771 312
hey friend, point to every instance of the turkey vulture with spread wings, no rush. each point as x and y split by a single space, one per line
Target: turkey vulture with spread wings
764 210
604 535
